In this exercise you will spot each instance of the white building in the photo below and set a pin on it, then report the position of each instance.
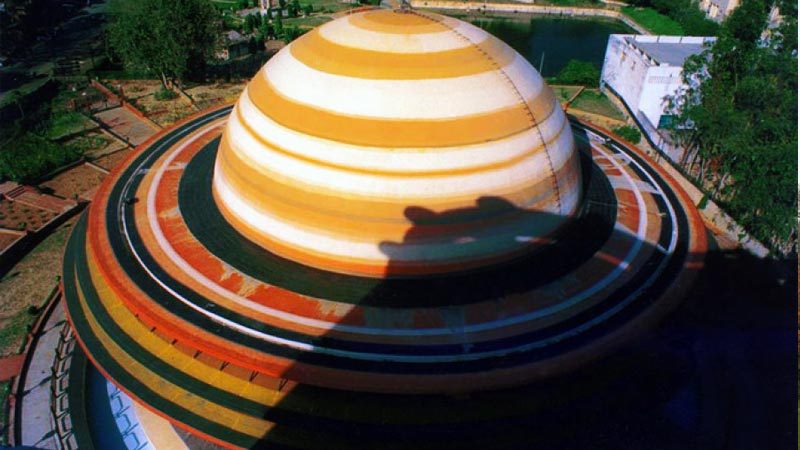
(718, 10)
(642, 71)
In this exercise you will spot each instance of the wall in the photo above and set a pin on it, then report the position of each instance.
(624, 70)
(659, 82)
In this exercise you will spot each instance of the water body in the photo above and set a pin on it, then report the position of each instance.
(560, 39)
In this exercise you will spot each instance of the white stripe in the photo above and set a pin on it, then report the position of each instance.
(435, 98)
(527, 80)
(409, 159)
(346, 183)
(555, 130)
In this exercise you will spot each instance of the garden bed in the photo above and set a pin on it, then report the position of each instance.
(134, 89)
(206, 96)
(112, 160)
(74, 182)
(7, 238)
(164, 112)
(19, 216)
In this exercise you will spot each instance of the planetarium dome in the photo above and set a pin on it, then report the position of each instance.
(392, 234)
(356, 125)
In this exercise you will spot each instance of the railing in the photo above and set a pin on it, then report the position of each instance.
(59, 387)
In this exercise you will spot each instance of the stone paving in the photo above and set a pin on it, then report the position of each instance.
(37, 427)
(125, 124)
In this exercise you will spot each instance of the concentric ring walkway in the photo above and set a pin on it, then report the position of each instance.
(244, 347)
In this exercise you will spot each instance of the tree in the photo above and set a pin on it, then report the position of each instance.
(291, 33)
(579, 72)
(308, 9)
(737, 118)
(686, 12)
(278, 25)
(17, 98)
(172, 38)
(629, 133)
(264, 32)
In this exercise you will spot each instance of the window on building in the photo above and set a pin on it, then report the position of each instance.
(666, 121)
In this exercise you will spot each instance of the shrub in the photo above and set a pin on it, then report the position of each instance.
(629, 133)
(579, 72)
(165, 94)
(27, 157)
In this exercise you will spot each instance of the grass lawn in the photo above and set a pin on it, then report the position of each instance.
(23, 90)
(65, 123)
(27, 284)
(564, 93)
(5, 387)
(594, 101)
(225, 4)
(583, 3)
(307, 22)
(328, 6)
(654, 21)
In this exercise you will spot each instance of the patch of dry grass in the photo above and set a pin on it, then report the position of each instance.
(28, 284)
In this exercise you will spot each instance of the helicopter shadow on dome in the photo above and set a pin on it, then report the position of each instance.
(668, 386)
(554, 411)
(558, 245)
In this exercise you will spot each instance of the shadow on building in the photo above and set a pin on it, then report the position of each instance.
(717, 373)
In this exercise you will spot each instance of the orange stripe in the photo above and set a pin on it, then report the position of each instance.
(313, 50)
(465, 130)
(545, 95)
(390, 22)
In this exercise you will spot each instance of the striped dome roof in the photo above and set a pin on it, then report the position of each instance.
(375, 124)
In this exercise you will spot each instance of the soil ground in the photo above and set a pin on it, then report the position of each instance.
(74, 182)
(18, 216)
(110, 160)
(135, 89)
(206, 96)
(7, 239)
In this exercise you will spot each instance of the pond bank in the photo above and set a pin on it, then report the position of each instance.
(568, 11)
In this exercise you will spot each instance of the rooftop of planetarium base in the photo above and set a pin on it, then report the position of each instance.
(180, 309)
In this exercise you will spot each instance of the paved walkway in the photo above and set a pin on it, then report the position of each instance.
(36, 421)
(124, 123)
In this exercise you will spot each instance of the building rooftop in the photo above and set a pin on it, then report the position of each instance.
(669, 50)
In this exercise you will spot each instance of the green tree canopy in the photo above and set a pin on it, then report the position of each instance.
(172, 38)
(579, 72)
(685, 12)
(737, 117)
